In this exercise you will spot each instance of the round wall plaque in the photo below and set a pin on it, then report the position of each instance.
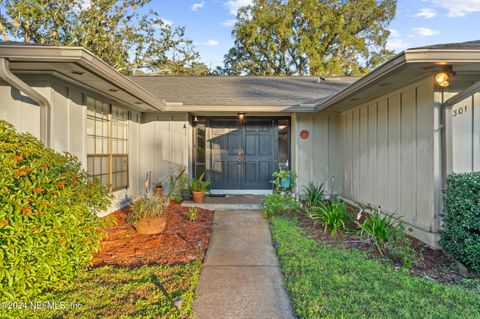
(304, 134)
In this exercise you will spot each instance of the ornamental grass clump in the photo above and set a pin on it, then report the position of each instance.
(334, 216)
(48, 226)
(149, 206)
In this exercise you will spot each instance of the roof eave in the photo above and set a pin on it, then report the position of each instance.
(84, 58)
(380, 72)
(424, 55)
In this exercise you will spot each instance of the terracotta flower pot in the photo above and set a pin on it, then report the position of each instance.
(159, 192)
(153, 225)
(197, 197)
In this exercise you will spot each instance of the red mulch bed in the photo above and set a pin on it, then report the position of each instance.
(182, 240)
(432, 264)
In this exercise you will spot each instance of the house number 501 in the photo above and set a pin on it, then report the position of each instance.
(460, 111)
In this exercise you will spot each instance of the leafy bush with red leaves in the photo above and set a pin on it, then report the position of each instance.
(48, 226)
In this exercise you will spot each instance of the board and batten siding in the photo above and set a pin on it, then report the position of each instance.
(68, 124)
(166, 143)
(318, 158)
(69, 134)
(388, 149)
(463, 154)
(19, 110)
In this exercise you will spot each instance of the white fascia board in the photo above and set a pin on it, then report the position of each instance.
(442, 56)
(377, 74)
(410, 56)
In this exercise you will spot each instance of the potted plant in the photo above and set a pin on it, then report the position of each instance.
(187, 193)
(185, 187)
(159, 188)
(199, 188)
(284, 180)
(148, 214)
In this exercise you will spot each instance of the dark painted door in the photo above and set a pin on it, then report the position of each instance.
(242, 154)
(259, 150)
(225, 138)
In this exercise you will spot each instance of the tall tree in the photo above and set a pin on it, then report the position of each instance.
(114, 30)
(310, 37)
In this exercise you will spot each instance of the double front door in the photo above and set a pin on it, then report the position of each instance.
(241, 154)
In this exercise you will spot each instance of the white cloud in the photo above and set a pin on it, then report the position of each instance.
(425, 32)
(212, 43)
(167, 22)
(234, 5)
(397, 44)
(394, 33)
(426, 13)
(229, 23)
(458, 8)
(85, 4)
(198, 5)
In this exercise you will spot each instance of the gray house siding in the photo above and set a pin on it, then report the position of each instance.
(388, 150)
(380, 153)
(68, 124)
(166, 142)
(19, 110)
(319, 157)
(463, 131)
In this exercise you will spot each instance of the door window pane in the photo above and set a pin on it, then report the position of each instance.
(283, 143)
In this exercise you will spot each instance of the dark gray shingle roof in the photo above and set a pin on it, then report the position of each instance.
(238, 91)
(468, 45)
(27, 44)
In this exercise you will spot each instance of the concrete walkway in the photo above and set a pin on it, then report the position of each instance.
(241, 277)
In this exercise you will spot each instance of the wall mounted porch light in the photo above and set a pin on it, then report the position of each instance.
(443, 77)
(241, 116)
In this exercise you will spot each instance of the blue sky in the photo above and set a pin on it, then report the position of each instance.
(418, 22)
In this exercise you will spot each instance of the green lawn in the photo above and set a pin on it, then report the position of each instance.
(326, 282)
(109, 292)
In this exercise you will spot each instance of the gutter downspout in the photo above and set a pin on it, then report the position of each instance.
(45, 114)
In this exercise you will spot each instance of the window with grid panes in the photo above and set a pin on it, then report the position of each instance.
(107, 139)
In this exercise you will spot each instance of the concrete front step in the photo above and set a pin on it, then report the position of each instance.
(219, 206)
(229, 202)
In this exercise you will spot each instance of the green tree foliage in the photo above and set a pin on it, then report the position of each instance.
(117, 31)
(316, 37)
(48, 226)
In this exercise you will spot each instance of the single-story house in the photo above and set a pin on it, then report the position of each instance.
(387, 139)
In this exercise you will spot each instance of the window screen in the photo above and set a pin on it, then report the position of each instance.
(107, 139)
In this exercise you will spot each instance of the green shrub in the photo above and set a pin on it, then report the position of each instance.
(48, 228)
(192, 214)
(146, 207)
(313, 194)
(313, 212)
(176, 183)
(389, 239)
(399, 247)
(378, 227)
(279, 205)
(335, 216)
(461, 219)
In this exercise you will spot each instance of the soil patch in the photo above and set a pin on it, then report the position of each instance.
(431, 264)
(182, 240)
